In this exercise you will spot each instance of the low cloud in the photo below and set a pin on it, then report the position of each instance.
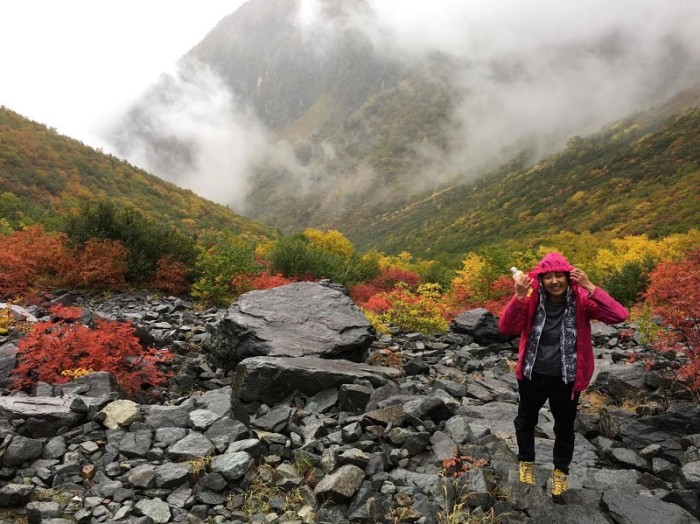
(535, 73)
(531, 75)
(189, 130)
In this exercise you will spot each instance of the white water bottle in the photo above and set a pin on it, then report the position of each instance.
(516, 275)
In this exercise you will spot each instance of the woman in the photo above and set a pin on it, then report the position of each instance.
(551, 311)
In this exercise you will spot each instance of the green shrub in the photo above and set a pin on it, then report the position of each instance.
(217, 265)
(628, 283)
(296, 257)
(146, 240)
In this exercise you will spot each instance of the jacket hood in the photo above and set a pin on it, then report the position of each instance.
(552, 262)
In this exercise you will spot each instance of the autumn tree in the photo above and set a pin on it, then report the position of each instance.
(218, 264)
(674, 294)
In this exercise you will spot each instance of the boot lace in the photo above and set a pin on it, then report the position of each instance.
(560, 483)
(526, 472)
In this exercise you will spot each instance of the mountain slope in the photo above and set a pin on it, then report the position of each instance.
(358, 130)
(44, 176)
(638, 176)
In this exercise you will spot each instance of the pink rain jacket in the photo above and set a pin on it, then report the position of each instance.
(518, 315)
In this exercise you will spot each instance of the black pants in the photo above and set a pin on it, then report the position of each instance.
(533, 394)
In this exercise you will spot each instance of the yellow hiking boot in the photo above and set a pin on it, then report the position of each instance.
(526, 472)
(560, 484)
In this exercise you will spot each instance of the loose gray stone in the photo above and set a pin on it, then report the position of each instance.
(202, 419)
(172, 475)
(20, 450)
(42, 511)
(191, 447)
(121, 413)
(15, 495)
(232, 466)
(169, 435)
(161, 416)
(690, 475)
(136, 444)
(628, 507)
(480, 324)
(156, 509)
(341, 484)
(217, 401)
(459, 430)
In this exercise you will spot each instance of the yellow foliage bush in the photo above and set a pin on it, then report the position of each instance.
(332, 241)
(405, 260)
(422, 311)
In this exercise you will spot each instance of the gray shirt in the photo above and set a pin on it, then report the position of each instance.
(548, 361)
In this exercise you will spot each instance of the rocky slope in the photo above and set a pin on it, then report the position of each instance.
(428, 440)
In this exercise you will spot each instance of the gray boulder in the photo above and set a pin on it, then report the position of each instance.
(480, 324)
(57, 413)
(20, 450)
(628, 507)
(296, 320)
(269, 379)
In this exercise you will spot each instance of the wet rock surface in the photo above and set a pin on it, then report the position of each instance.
(303, 439)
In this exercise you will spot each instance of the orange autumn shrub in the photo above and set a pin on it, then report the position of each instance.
(98, 265)
(30, 260)
(500, 292)
(62, 344)
(33, 261)
(421, 310)
(171, 275)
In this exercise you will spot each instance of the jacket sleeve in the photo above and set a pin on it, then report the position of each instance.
(603, 307)
(513, 317)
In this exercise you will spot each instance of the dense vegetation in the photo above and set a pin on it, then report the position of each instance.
(652, 276)
(45, 177)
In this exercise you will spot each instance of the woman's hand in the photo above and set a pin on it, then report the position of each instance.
(523, 285)
(579, 276)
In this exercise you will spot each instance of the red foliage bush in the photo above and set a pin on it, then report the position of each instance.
(378, 303)
(500, 293)
(674, 294)
(171, 275)
(244, 282)
(60, 345)
(386, 281)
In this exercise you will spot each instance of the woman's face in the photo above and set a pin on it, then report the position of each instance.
(555, 284)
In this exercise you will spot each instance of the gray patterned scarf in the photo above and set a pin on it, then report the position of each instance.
(568, 337)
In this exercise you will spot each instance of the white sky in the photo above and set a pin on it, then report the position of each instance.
(71, 64)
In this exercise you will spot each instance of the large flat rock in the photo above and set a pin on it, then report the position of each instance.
(270, 379)
(296, 320)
